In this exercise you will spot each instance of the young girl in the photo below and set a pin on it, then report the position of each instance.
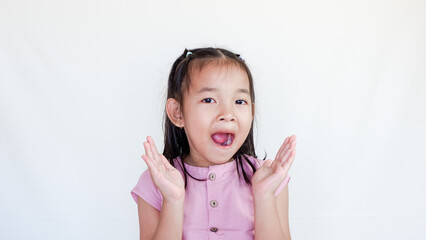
(208, 183)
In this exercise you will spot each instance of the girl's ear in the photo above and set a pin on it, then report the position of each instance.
(174, 112)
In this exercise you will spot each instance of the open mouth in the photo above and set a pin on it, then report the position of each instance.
(223, 139)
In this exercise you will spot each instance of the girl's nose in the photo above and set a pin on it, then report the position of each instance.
(226, 117)
(226, 113)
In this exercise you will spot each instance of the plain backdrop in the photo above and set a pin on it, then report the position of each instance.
(82, 83)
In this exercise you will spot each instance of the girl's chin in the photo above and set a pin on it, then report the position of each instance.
(212, 158)
(227, 151)
(222, 155)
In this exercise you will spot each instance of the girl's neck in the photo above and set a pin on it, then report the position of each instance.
(189, 160)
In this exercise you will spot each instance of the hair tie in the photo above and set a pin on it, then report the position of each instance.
(242, 59)
(188, 53)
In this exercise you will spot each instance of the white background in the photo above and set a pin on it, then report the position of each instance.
(83, 82)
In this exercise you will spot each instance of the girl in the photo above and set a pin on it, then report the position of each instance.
(208, 183)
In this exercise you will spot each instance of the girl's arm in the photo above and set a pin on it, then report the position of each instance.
(166, 224)
(271, 212)
(266, 220)
(282, 207)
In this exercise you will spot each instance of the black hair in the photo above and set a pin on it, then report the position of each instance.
(175, 140)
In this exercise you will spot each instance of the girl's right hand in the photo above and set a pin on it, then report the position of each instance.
(167, 178)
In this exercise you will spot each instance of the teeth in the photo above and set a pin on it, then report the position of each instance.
(228, 142)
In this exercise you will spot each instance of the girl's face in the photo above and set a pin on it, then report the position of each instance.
(217, 114)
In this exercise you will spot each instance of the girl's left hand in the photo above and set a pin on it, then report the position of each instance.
(269, 176)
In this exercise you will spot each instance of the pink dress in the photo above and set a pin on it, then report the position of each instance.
(219, 208)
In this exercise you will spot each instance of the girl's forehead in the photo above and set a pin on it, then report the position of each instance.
(217, 75)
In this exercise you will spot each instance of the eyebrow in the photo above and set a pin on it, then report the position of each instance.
(208, 89)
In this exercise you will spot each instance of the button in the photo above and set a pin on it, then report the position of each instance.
(213, 203)
(213, 229)
(212, 176)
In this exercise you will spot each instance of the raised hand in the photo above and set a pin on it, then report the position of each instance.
(269, 176)
(167, 178)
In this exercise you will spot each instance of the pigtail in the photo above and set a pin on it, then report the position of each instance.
(175, 140)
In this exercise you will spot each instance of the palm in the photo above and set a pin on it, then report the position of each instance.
(167, 178)
(269, 176)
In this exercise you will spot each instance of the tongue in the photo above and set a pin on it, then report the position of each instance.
(220, 138)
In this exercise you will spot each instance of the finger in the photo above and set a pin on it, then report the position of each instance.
(149, 153)
(280, 151)
(290, 161)
(157, 164)
(291, 145)
(278, 169)
(275, 164)
(280, 157)
(286, 166)
(166, 162)
(147, 148)
(282, 147)
(268, 163)
(291, 139)
(286, 155)
(151, 166)
(153, 147)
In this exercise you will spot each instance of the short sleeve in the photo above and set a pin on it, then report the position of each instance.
(146, 189)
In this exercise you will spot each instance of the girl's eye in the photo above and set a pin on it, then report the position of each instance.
(207, 100)
(241, 101)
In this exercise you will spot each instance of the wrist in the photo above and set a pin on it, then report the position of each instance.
(263, 197)
(262, 194)
(177, 202)
(176, 196)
